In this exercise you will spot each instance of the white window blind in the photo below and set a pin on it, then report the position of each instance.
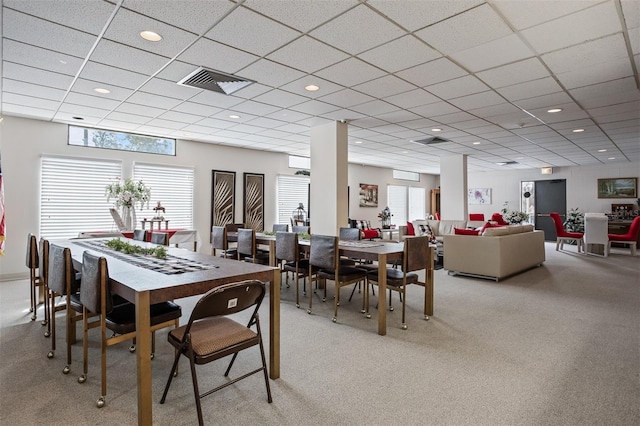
(72, 198)
(291, 191)
(173, 187)
(397, 201)
(416, 203)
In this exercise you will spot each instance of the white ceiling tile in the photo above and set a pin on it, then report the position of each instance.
(180, 117)
(32, 90)
(83, 111)
(91, 101)
(544, 101)
(216, 56)
(29, 101)
(270, 73)
(598, 73)
(35, 76)
(72, 119)
(634, 39)
(432, 72)
(127, 118)
(398, 116)
(161, 122)
(160, 87)
(631, 11)
(152, 100)
(314, 107)
(112, 75)
(226, 116)
(307, 54)
(588, 24)
(38, 32)
(412, 98)
(399, 54)
(384, 86)
(288, 115)
(280, 98)
(214, 99)
(128, 58)
(268, 123)
(357, 30)
(255, 108)
(494, 53)
(603, 50)
(143, 110)
(374, 108)
(38, 57)
(260, 35)
(477, 100)
(346, 98)
(435, 109)
(87, 87)
(350, 72)
(418, 14)
(518, 72)
(530, 89)
(466, 30)
(298, 86)
(527, 13)
(89, 17)
(118, 125)
(304, 18)
(462, 86)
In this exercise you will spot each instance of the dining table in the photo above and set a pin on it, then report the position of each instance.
(182, 274)
(380, 251)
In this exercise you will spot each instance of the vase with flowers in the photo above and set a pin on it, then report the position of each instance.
(514, 217)
(127, 193)
(385, 218)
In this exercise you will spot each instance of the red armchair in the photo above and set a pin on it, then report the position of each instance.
(631, 237)
(562, 235)
(476, 216)
(497, 217)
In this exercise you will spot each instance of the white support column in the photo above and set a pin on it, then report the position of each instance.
(329, 178)
(453, 187)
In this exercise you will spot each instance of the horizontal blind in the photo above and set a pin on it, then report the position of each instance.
(173, 187)
(72, 198)
(397, 201)
(291, 191)
(416, 203)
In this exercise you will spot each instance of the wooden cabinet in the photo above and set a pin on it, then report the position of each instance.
(435, 201)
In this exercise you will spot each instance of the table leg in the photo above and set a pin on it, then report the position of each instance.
(272, 253)
(274, 326)
(382, 294)
(143, 358)
(428, 286)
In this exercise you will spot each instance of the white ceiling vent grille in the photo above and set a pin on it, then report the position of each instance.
(431, 141)
(215, 81)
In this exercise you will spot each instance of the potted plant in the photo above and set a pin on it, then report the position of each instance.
(385, 218)
(127, 193)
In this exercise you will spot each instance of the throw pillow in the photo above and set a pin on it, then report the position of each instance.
(458, 231)
(489, 225)
(425, 230)
(410, 229)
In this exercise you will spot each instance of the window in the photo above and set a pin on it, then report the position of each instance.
(108, 139)
(406, 203)
(296, 162)
(404, 175)
(291, 191)
(171, 186)
(72, 197)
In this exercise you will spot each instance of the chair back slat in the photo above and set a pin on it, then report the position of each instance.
(322, 252)
(140, 234)
(416, 254)
(246, 242)
(349, 234)
(160, 238)
(95, 276)
(300, 229)
(60, 275)
(280, 227)
(229, 299)
(44, 259)
(287, 246)
(32, 260)
(219, 238)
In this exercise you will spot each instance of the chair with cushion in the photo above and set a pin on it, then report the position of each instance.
(220, 242)
(44, 270)
(35, 274)
(247, 248)
(300, 229)
(416, 257)
(120, 318)
(324, 255)
(140, 234)
(476, 217)
(497, 217)
(596, 226)
(280, 227)
(563, 236)
(287, 250)
(62, 281)
(161, 238)
(211, 334)
(630, 238)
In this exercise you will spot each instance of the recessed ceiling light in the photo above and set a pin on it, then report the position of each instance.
(358, 142)
(436, 130)
(554, 110)
(101, 90)
(577, 130)
(476, 143)
(62, 61)
(611, 158)
(150, 36)
(311, 88)
(602, 150)
(234, 116)
(405, 152)
(77, 118)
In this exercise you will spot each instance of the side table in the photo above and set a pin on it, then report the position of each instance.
(158, 221)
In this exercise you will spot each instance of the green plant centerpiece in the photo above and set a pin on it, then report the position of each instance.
(128, 248)
(514, 217)
(574, 221)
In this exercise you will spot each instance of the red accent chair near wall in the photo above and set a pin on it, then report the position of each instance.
(631, 237)
(476, 216)
(564, 236)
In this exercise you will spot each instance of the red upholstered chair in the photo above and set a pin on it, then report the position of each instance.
(437, 216)
(476, 216)
(631, 237)
(562, 235)
(497, 217)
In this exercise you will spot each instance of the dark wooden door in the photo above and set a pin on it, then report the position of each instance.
(550, 196)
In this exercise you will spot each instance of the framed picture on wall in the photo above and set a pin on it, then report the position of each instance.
(479, 196)
(368, 195)
(254, 201)
(618, 188)
(223, 197)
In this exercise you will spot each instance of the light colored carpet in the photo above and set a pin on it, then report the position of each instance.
(557, 345)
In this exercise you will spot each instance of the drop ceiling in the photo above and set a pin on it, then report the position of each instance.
(484, 72)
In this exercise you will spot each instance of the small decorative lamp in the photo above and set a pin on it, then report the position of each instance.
(299, 215)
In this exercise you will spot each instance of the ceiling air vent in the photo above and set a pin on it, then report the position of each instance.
(505, 163)
(215, 81)
(431, 141)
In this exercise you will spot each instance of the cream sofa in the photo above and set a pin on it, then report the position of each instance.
(441, 227)
(498, 253)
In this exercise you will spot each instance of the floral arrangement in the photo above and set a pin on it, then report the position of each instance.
(128, 192)
(514, 217)
(385, 216)
(574, 221)
(128, 248)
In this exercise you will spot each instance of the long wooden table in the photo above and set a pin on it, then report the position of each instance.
(380, 251)
(144, 287)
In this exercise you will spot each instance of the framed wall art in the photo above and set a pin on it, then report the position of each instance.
(254, 201)
(368, 195)
(618, 188)
(479, 196)
(223, 197)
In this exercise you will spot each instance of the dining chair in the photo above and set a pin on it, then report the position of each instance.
(43, 247)
(220, 242)
(212, 334)
(563, 236)
(161, 238)
(288, 251)
(278, 227)
(247, 248)
(596, 226)
(120, 318)
(35, 274)
(140, 234)
(62, 281)
(629, 238)
(415, 257)
(324, 254)
(300, 229)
